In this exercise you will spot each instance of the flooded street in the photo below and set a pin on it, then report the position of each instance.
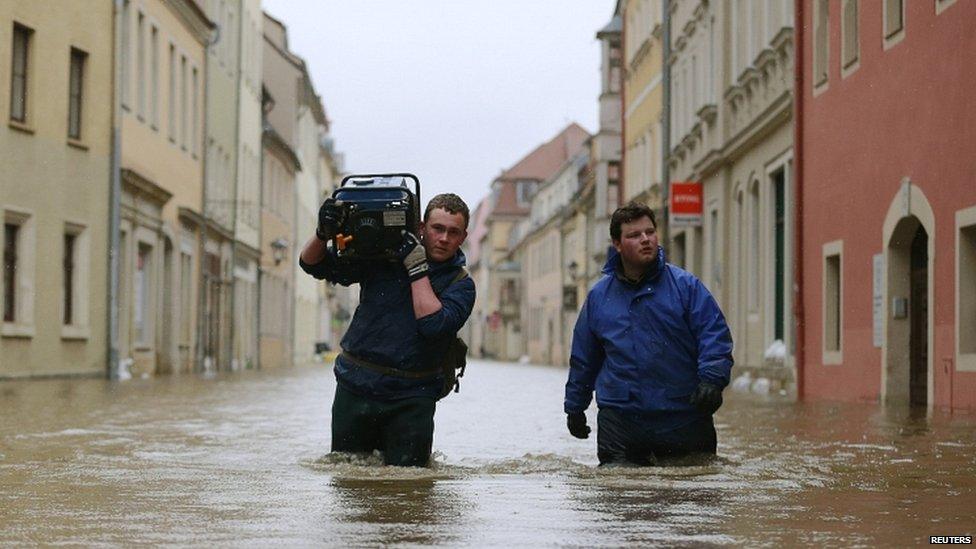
(243, 458)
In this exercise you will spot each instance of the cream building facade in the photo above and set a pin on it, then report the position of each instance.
(56, 143)
(163, 69)
(731, 130)
(247, 191)
(308, 188)
(541, 253)
(282, 77)
(221, 165)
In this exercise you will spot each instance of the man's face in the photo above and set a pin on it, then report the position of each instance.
(638, 243)
(442, 234)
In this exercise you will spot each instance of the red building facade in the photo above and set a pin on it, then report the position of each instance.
(886, 143)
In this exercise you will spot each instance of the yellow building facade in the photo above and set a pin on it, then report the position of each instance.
(55, 143)
(162, 60)
(643, 96)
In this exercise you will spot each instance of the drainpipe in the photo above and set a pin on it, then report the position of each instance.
(798, 91)
(234, 204)
(666, 112)
(115, 200)
(203, 304)
(622, 169)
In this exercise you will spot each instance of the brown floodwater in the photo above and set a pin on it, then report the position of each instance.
(243, 459)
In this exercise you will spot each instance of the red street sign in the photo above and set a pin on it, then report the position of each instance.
(686, 203)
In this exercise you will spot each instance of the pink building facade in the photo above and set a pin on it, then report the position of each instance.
(886, 158)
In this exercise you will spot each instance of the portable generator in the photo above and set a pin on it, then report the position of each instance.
(378, 208)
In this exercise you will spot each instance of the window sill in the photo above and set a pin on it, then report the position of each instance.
(966, 362)
(833, 358)
(75, 333)
(11, 329)
(77, 144)
(21, 127)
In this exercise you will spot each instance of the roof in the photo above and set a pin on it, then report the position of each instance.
(547, 158)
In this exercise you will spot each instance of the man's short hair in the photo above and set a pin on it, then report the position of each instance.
(450, 202)
(625, 214)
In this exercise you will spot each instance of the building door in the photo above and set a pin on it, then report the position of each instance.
(918, 309)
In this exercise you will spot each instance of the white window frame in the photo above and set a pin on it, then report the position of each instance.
(23, 323)
(965, 270)
(79, 328)
(889, 40)
(819, 86)
(832, 356)
(855, 62)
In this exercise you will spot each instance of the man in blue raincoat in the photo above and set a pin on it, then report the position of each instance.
(388, 374)
(654, 345)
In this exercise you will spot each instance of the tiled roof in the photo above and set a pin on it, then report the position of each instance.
(543, 162)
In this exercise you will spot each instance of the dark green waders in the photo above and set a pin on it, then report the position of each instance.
(402, 429)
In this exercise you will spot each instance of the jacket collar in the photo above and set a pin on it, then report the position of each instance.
(613, 265)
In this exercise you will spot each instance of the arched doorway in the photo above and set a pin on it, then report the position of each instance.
(918, 307)
(907, 365)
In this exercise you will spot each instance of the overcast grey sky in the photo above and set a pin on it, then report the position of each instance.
(454, 91)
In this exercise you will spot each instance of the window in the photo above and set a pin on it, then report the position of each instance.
(68, 271)
(141, 66)
(11, 234)
(894, 17)
(126, 53)
(779, 253)
(832, 302)
(75, 90)
(524, 192)
(154, 75)
(754, 257)
(849, 34)
(821, 36)
(195, 117)
(171, 100)
(966, 289)
(19, 72)
(713, 249)
(141, 293)
(186, 295)
(183, 102)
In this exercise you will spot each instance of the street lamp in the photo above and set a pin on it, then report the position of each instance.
(278, 247)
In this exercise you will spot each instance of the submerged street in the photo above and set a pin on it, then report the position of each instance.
(243, 458)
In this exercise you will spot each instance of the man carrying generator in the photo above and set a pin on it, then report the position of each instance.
(389, 373)
(653, 343)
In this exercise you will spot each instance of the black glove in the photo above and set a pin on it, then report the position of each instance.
(331, 215)
(414, 256)
(707, 398)
(576, 422)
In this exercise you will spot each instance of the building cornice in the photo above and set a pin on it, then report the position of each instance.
(136, 183)
(190, 14)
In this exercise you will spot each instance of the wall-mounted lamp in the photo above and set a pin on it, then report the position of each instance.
(573, 269)
(278, 248)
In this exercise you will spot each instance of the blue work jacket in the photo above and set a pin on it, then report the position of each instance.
(644, 347)
(384, 330)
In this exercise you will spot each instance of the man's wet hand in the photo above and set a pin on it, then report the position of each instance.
(331, 215)
(414, 256)
(576, 422)
(707, 398)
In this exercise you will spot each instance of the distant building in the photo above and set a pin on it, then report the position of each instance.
(282, 76)
(163, 70)
(56, 147)
(886, 161)
(509, 203)
(247, 192)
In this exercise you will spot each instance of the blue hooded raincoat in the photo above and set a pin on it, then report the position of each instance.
(384, 329)
(645, 347)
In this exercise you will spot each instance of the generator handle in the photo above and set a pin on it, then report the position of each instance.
(416, 181)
